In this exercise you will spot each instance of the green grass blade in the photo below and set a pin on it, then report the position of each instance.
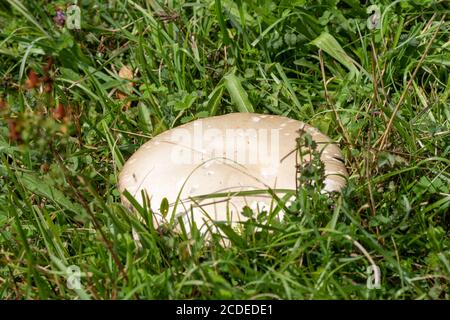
(23, 10)
(237, 93)
(330, 45)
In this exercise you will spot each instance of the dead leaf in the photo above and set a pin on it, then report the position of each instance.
(2, 104)
(46, 79)
(48, 87)
(60, 112)
(46, 68)
(32, 81)
(45, 167)
(125, 73)
(13, 132)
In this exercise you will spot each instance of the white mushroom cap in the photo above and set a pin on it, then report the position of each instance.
(224, 154)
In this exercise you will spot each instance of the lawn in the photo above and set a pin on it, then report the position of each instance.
(75, 103)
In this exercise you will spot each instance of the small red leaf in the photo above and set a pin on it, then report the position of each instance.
(60, 112)
(48, 87)
(13, 132)
(46, 68)
(2, 104)
(32, 81)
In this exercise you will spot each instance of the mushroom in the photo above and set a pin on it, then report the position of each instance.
(211, 168)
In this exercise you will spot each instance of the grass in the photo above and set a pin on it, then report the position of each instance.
(69, 121)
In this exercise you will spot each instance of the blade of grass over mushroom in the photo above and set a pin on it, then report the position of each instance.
(279, 204)
(245, 193)
(143, 210)
(330, 45)
(142, 223)
(235, 238)
(237, 93)
(214, 99)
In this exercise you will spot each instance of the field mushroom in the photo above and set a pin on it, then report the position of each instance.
(228, 156)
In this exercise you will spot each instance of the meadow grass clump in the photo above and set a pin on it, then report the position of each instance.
(75, 104)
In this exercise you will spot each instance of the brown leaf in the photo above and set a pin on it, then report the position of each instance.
(46, 79)
(60, 112)
(123, 96)
(45, 167)
(13, 132)
(46, 68)
(64, 129)
(2, 104)
(48, 87)
(32, 81)
(126, 73)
